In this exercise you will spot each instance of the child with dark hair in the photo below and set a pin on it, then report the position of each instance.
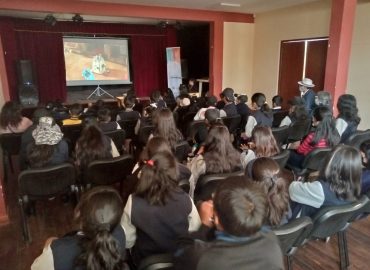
(158, 199)
(261, 114)
(277, 102)
(11, 119)
(242, 107)
(157, 100)
(211, 117)
(339, 183)
(365, 176)
(348, 119)
(235, 238)
(104, 121)
(75, 113)
(100, 241)
(324, 135)
(128, 113)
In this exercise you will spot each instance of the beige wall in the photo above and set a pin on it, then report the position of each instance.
(359, 69)
(303, 21)
(238, 57)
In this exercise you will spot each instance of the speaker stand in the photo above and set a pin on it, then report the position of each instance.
(99, 92)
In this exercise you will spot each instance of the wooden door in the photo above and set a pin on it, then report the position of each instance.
(316, 62)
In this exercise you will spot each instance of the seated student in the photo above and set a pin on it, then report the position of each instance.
(218, 156)
(266, 173)
(232, 233)
(297, 112)
(212, 117)
(93, 108)
(229, 109)
(100, 241)
(128, 113)
(323, 98)
(261, 115)
(75, 113)
(158, 212)
(11, 119)
(169, 99)
(263, 144)
(210, 104)
(339, 182)
(241, 106)
(104, 121)
(48, 148)
(365, 176)
(157, 100)
(348, 119)
(146, 119)
(324, 135)
(58, 111)
(277, 102)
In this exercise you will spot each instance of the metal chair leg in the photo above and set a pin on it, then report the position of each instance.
(342, 251)
(25, 228)
(289, 262)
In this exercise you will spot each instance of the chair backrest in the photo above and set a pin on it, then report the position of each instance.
(118, 137)
(278, 117)
(109, 171)
(333, 219)
(293, 234)
(47, 182)
(182, 150)
(193, 128)
(358, 138)
(144, 133)
(157, 262)
(232, 123)
(281, 134)
(71, 133)
(281, 158)
(11, 143)
(315, 160)
(129, 127)
(298, 130)
(184, 185)
(184, 123)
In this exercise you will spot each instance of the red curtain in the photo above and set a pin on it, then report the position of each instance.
(43, 44)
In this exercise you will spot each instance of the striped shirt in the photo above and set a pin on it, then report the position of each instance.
(305, 147)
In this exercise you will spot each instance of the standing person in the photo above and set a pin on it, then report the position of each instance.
(158, 212)
(308, 95)
(100, 241)
(348, 119)
(11, 119)
(229, 108)
(324, 135)
(232, 234)
(339, 183)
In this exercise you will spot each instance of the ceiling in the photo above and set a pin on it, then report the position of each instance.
(246, 6)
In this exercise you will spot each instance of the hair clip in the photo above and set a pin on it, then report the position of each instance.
(150, 162)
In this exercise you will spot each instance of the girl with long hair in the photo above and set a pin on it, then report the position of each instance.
(165, 127)
(365, 176)
(263, 144)
(324, 135)
(11, 119)
(93, 145)
(339, 183)
(219, 156)
(158, 212)
(266, 173)
(100, 241)
(348, 119)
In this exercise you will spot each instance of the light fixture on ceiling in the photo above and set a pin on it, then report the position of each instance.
(77, 19)
(225, 4)
(50, 20)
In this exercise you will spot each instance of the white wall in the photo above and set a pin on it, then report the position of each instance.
(302, 21)
(359, 69)
(238, 57)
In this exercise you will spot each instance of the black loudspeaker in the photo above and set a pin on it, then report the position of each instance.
(184, 68)
(28, 95)
(25, 73)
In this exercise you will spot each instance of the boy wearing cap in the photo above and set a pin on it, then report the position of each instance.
(308, 95)
(230, 108)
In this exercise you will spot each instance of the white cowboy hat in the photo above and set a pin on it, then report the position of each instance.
(306, 82)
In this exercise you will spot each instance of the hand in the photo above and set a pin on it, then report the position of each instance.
(206, 213)
(244, 147)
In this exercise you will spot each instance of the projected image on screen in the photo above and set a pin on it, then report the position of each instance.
(96, 61)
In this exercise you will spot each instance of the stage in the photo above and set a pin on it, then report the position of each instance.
(81, 94)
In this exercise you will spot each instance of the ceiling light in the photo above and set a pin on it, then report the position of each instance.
(230, 4)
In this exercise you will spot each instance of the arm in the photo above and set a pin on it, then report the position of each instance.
(305, 146)
(251, 123)
(246, 157)
(285, 122)
(194, 219)
(310, 193)
(45, 261)
(130, 229)
(340, 125)
(197, 168)
(114, 150)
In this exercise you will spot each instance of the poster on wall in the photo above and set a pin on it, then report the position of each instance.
(174, 78)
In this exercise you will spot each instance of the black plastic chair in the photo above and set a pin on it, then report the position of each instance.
(71, 134)
(292, 235)
(278, 117)
(157, 262)
(129, 127)
(182, 150)
(314, 161)
(193, 128)
(208, 183)
(358, 138)
(10, 145)
(281, 134)
(335, 220)
(232, 123)
(118, 136)
(281, 158)
(298, 130)
(44, 184)
(109, 171)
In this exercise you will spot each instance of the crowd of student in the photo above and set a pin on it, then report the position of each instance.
(230, 230)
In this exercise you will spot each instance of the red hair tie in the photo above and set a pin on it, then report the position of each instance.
(150, 162)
